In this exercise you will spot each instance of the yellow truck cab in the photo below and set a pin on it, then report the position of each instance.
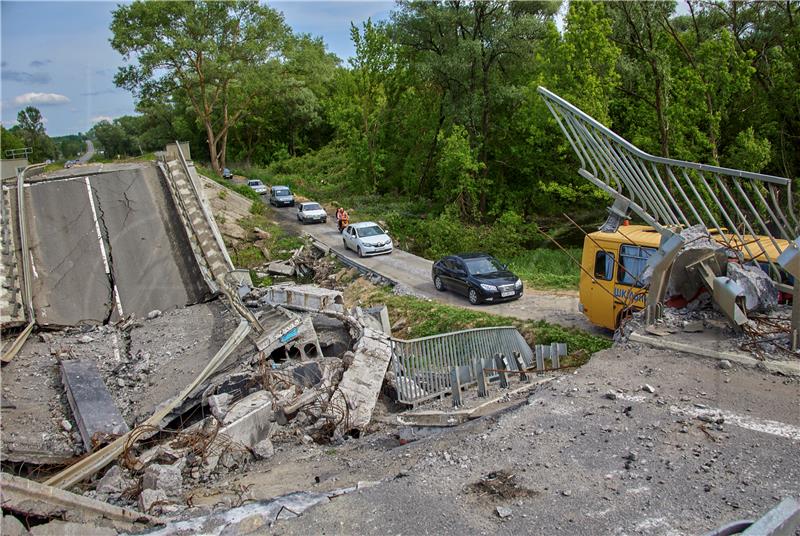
(616, 262)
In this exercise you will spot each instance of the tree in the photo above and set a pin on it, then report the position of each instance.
(31, 129)
(212, 52)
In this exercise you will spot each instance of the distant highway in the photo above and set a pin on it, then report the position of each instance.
(85, 157)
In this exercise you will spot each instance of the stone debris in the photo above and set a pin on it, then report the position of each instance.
(150, 498)
(11, 526)
(610, 395)
(503, 512)
(167, 478)
(648, 388)
(155, 313)
(760, 293)
(725, 364)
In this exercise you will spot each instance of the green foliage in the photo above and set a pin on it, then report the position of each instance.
(424, 318)
(10, 140)
(547, 268)
(247, 257)
(30, 128)
(260, 281)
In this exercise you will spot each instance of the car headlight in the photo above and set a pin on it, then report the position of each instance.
(518, 284)
(490, 288)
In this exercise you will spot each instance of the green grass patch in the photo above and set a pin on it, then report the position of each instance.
(548, 268)
(423, 318)
(247, 257)
(260, 281)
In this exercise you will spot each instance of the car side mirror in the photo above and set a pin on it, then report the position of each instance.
(505, 266)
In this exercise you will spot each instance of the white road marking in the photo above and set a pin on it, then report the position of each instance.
(765, 426)
(115, 291)
(33, 267)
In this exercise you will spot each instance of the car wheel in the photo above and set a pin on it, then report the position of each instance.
(438, 283)
(360, 253)
(473, 296)
(344, 242)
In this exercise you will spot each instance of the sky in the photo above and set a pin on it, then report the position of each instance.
(56, 56)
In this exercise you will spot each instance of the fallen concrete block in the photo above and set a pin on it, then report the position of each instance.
(264, 449)
(91, 403)
(218, 404)
(66, 528)
(113, 482)
(247, 423)
(163, 477)
(304, 298)
(150, 498)
(34, 499)
(280, 268)
(760, 293)
(11, 526)
(361, 382)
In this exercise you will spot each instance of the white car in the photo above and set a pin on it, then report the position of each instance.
(366, 238)
(311, 213)
(257, 186)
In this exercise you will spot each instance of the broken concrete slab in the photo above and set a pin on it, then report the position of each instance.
(281, 268)
(248, 423)
(66, 528)
(760, 293)
(361, 382)
(32, 498)
(303, 297)
(11, 526)
(95, 412)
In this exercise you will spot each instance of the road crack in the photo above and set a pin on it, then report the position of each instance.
(109, 255)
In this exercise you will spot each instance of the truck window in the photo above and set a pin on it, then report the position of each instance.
(604, 265)
(632, 260)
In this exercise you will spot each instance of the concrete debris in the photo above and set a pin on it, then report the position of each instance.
(66, 425)
(218, 404)
(92, 405)
(760, 293)
(167, 478)
(150, 498)
(264, 449)
(724, 364)
(11, 526)
(503, 512)
(281, 268)
(299, 297)
(65, 528)
(648, 388)
(113, 483)
(611, 395)
(85, 339)
(362, 381)
(155, 313)
(34, 499)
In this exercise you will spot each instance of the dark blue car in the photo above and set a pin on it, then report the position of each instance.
(478, 276)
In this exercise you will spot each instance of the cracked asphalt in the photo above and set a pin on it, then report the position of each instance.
(106, 244)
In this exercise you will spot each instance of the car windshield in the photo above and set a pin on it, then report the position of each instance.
(372, 230)
(311, 206)
(254, 183)
(283, 191)
(483, 265)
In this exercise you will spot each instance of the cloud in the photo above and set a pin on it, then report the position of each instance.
(26, 78)
(40, 63)
(40, 98)
(98, 118)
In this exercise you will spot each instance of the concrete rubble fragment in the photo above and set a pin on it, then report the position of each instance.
(149, 498)
(362, 380)
(167, 478)
(760, 293)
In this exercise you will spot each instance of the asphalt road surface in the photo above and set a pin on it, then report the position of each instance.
(107, 244)
(85, 157)
(559, 307)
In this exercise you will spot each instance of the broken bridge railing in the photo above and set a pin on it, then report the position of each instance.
(423, 366)
(751, 212)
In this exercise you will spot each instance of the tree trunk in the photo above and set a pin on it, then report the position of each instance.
(212, 148)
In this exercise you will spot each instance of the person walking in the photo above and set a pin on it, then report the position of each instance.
(339, 212)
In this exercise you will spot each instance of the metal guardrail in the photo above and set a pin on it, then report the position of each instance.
(423, 366)
(738, 205)
(27, 273)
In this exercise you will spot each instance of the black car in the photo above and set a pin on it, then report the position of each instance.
(478, 276)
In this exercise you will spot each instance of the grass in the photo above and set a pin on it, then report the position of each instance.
(416, 318)
(548, 268)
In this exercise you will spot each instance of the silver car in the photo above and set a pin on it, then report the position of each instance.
(257, 186)
(366, 238)
(311, 213)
